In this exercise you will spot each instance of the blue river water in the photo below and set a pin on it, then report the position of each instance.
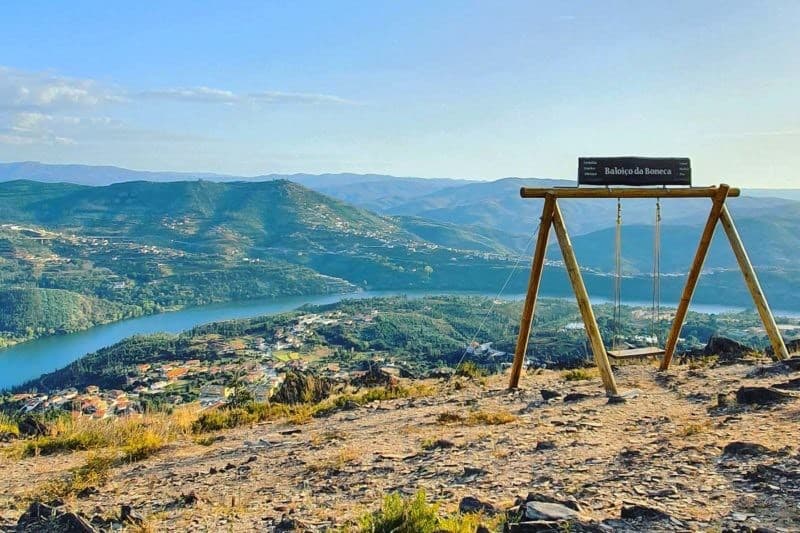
(31, 359)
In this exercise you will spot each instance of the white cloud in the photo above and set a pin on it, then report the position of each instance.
(44, 91)
(26, 128)
(32, 127)
(196, 94)
(43, 108)
(211, 95)
(296, 98)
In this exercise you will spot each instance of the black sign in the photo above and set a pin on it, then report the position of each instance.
(637, 171)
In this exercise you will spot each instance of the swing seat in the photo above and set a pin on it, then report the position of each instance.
(633, 353)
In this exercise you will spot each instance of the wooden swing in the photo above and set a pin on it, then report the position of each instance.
(629, 171)
(655, 312)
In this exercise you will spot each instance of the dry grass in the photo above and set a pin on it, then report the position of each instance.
(335, 463)
(138, 436)
(415, 514)
(482, 417)
(449, 417)
(324, 437)
(490, 418)
(144, 446)
(579, 374)
(8, 426)
(694, 429)
(705, 361)
(205, 440)
(470, 369)
(217, 419)
(121, 440)
(92, 474)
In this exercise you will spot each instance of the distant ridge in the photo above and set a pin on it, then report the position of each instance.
(107, 174)
(98, 175)
(93, 175)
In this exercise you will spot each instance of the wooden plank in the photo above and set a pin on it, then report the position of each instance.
(537, 266)
(750, 278)
(636, 352)
(589, 321)
(626, 192)
(694, 275)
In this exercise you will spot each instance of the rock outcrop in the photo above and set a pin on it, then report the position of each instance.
(728, 350)
(302, 387)
(41, 518)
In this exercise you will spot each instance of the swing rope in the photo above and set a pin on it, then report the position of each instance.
(656, 309)
(617, 276)
(496, 299)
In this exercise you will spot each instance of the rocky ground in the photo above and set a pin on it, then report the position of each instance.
(681, 453)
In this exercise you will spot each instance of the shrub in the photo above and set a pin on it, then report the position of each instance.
(477, 418)
(84, 440)
(93, 473)
(8, 426)
(81, 433)
(414, 515)
(231, 417)
(143, 446)
(490, 418)
(449, 417)
(433, 444)
(693, 429)
(398, 515)
(578, 374)
(207, 440)
(217, 419)
(470, 369)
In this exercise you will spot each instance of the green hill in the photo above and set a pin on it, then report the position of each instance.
(771, 243)
(31, 311)
(159, 246)
(485, 239)
(208, 215)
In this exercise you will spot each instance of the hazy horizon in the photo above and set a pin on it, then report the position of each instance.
(208, 174)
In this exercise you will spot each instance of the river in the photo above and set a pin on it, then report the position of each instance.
(31, 359)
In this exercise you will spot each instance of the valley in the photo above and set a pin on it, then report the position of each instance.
(75, 256)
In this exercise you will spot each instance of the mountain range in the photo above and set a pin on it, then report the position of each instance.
(490, 215)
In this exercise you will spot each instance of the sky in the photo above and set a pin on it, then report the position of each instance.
(478, 90)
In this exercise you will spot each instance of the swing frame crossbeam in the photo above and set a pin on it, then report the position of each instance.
(553, 218)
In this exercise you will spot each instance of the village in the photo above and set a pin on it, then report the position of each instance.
(252, 363)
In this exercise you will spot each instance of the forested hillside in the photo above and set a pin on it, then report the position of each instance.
(27, 312)
(159, 246)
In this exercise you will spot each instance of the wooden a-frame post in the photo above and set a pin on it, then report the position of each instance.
(778, 346)
(533, 288)
(694, 275)
(589, 321)
(719, 212)
(551, 216)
